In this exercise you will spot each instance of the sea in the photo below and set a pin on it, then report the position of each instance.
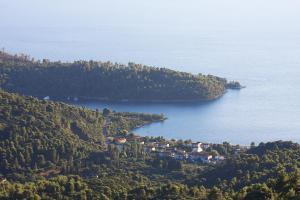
(252, 41)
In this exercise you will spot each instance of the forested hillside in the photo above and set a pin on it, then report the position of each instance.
(53, 150)
(37, 135)
(106, 80)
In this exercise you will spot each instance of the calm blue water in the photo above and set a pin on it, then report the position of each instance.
(253, 41)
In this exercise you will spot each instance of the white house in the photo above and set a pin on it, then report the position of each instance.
(196, 147)
(200, 156)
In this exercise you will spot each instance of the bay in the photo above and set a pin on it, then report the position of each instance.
(255, 42)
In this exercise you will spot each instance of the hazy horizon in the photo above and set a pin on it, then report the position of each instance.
(255, 42)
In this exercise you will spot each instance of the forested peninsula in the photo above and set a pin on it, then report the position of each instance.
(106, 81)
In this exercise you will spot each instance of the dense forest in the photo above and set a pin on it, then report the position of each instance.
(106, 81)
(52, 150)
(38, 134)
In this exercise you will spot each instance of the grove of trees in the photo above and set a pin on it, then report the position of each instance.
(105, 80)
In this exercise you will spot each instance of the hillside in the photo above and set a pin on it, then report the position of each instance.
(52, 150)
(262, 173)
(37, 135)
(106, 81)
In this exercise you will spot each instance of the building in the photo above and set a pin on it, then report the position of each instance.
(219, 158)
(149, 148)
(181, 155)
(200, 157)
(154, 144)
(163, 145)
(205, 145)
(120, 140)
(196, 147)
(136, 138)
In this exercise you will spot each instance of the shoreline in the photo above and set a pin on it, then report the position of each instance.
(105, 99)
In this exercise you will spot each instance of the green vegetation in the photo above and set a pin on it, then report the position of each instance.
(139, 180)
(43, 136)
(106, 81)
(56, 151)
(234, 85)
(61, 187)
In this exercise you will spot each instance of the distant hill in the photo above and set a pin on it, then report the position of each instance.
(106, 80)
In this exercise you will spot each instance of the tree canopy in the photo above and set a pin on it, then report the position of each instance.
(51, 150)
(105, 80)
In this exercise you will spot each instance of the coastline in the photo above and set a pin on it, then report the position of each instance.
(106, 99)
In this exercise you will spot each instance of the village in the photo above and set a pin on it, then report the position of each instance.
(189, 151)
